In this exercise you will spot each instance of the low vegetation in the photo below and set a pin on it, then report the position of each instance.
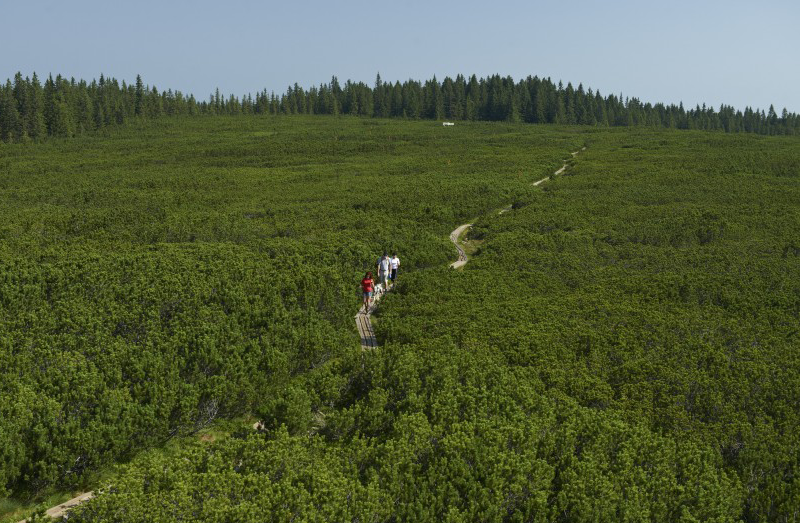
(622, 344)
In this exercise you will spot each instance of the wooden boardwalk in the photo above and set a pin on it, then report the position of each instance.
(364, 324)
(61, 510)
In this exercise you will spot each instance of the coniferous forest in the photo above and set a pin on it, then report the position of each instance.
(30, 110)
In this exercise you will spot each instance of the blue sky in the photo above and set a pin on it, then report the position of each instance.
(733, 52)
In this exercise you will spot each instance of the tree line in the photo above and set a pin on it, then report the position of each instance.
(61, 107)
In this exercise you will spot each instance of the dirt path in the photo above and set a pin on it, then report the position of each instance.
(456, 234)
(363, 322)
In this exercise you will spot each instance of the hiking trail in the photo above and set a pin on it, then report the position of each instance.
(364, 324)
(458, 231)
(454, 236)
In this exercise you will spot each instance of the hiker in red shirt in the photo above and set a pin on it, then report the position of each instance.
(367, 286)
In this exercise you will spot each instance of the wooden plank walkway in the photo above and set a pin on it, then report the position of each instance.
(364, 324)
(60, 510)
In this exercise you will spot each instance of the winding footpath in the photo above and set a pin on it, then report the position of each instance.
(458, 231)
(363, 321)
(363, 324)
(455, 235)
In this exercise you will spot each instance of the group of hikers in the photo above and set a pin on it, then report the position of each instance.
(387, 272)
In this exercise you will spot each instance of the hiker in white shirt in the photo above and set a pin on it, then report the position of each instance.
(384, 269)
(395, 265)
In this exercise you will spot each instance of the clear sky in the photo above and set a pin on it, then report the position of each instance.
(734, 52)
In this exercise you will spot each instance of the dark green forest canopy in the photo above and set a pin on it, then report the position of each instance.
(61, 107)
(622, 345)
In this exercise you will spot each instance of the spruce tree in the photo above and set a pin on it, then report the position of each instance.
(337, 94)
(459, 97)
(63, 123)
(366, 101)
(83, 111)
(600, 114)
(433, 105)
(49, 94)
(570, 116)
(37, 129)
(560, 116)
(472, 104)
(156, 108)
(397, 100)
(299, 99)
(470, 112)
(381, 106)
(20, 92)
(772, 119)
(448, 98)
(9, 116)
(139, 101)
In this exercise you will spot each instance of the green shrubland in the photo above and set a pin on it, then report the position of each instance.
(181, 271)
(621, 346)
